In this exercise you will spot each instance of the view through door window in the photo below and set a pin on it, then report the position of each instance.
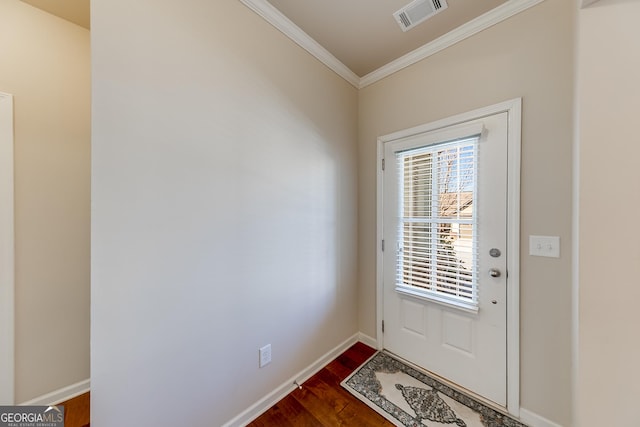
(437, 245)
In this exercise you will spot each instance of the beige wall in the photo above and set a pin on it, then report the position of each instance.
(608, 383)
(224, 211)
(528, 56)
(44, 63)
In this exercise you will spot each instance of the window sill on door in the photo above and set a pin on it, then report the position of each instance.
(425, 295)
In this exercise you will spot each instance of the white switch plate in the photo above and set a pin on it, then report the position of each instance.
(548, 246)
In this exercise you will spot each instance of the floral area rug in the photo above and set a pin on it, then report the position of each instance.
(410, 398)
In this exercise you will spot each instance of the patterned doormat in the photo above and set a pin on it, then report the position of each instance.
(410, 398)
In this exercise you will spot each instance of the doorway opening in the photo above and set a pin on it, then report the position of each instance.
(447, 268)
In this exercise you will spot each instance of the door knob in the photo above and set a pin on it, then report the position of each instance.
(494, 272)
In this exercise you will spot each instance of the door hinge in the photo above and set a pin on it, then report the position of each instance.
(383, 326)
(382, 245)
(382, 164)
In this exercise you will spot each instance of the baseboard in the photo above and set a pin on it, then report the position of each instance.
(534, 420)
(287, 387)
(60, 395)
(366, 339)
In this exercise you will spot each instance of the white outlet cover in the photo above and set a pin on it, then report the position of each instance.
(545, 246)
(265, 355)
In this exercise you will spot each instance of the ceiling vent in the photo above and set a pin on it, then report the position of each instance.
(418, 11)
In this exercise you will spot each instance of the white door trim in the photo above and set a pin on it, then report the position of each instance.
(7, 266)
(514, 109)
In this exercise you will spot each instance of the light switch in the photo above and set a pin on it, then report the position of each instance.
(548, 246)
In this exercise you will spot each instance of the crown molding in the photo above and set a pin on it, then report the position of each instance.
(482, 22)
(273, 16)
(585, 3)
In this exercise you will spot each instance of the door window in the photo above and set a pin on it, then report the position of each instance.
(437, 248)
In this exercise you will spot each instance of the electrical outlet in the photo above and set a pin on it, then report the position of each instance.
(547, 246)
(265, 355)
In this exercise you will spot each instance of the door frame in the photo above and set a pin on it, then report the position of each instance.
(513, 108)
(7, 253)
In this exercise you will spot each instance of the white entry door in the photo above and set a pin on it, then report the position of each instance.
(444, 226)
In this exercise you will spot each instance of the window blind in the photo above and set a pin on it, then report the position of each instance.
(437, 248)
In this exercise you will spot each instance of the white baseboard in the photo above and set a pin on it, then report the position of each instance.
(366, 339)
(534, 420)
(287, 387)
(60, 395)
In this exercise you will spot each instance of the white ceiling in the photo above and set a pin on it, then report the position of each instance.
(364, 35)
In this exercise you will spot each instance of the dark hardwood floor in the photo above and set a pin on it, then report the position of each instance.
(321, 402)
(76, 411)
